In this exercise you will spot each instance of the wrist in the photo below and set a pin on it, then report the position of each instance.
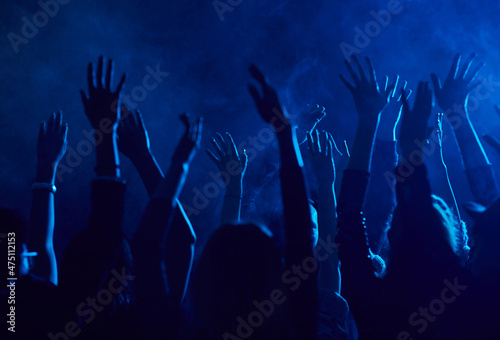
(234, 187)
(46, 172)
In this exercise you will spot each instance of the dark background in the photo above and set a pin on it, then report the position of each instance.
(296, 43)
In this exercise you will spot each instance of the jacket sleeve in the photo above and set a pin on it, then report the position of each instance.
(359, 282)
(381, 198)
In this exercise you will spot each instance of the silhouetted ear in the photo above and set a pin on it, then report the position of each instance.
(475, 210)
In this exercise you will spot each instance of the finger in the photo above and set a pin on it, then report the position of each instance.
(473, 73)
(406, 107)
(346, 83)
(212, 156)
(454, 67)
(371, 70)
(110, 74)
(84, 98)
(185, 119)
(217, 148)
(222, 143)
(257, 75)
(335, 144)
(64, 130)
(388, 93)
(90, 77)
(324, 143)
(353, 74)
(58, 121)
(436, 83)
(245, 159)
(232, 146)
(317, 144)
(330, 143)
(396, 84)
(467, 65)
(52, 122)
(121, 84)
(100, 66)
(399, 92)
(347, 149)
(410, 91)
(41, 130)
(362, 76)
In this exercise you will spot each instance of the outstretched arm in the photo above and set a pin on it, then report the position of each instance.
(359, 280)
(381, 196)
(158, 311)
(321, 146)
(51, 147)
(452, 97)
(133, 142)
(298, 231)
(92, 253)
(232, 167)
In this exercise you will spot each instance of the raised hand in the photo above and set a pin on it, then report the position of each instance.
(414, 121)
(268, 104)
(391, 115)
(227, 158)
(321, 147)
(368, 98)
(190, 141)
(52, 140)
(458, 84)
(103, 105)
(133, 140)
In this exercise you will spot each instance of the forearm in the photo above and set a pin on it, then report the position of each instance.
(381, 198)
(328, 275)
(231, 206)
(362, 146)
(179, 253)
(42, 225)
(472, 151)
(298, 236)
(358, 274)
(289, 148)
(107, 159)
(149, 171)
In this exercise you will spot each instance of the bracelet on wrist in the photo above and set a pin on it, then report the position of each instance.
(44, 186)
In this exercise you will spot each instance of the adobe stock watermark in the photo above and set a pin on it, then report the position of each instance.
(457, 117)
(219, 180)
(94, 137)
(40, 19)
(372, 29)
(293, 279)
(434, 309)
(223, 6)
(88, 309)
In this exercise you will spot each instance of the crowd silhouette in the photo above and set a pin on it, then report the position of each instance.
(311, 273)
